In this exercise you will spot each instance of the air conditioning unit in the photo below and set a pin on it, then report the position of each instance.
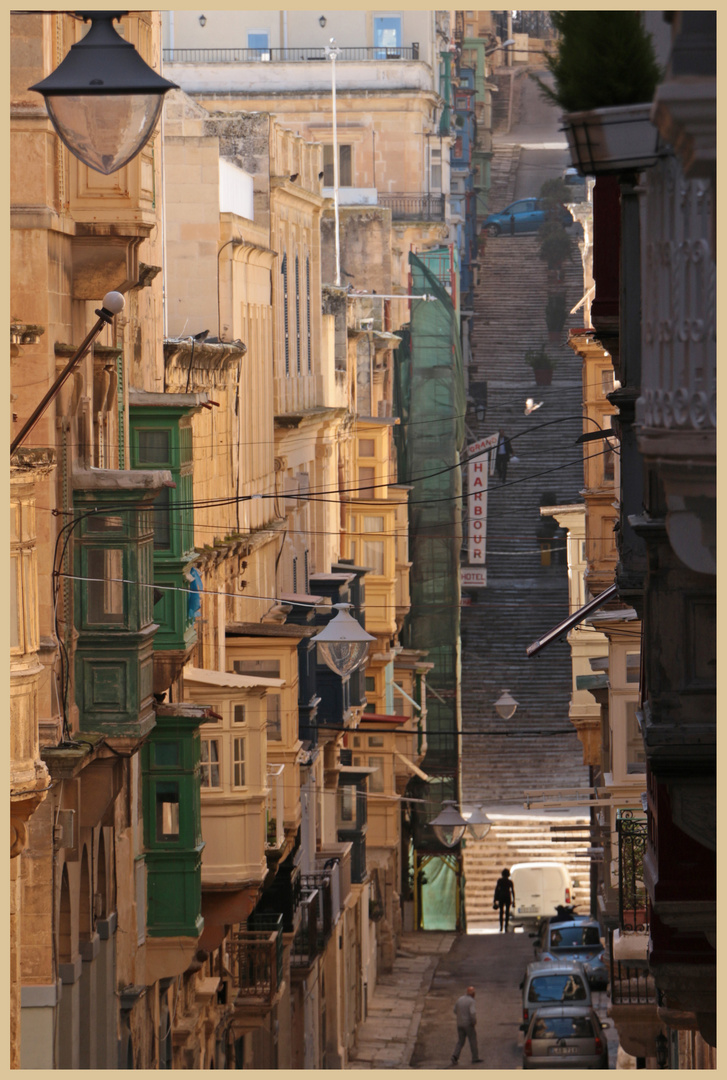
(365, 324)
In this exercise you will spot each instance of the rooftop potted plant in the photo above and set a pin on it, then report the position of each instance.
(605, 73)
(542, 365)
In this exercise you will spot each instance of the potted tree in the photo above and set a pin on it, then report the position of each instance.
(605, 74)
(542, 365)
(555, 315)
(555, 245)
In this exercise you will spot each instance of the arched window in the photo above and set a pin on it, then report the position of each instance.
(297, 312)
(286, 333)
(307, 308)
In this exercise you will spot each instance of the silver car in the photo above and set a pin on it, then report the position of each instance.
(553, 983)
(565, 1037)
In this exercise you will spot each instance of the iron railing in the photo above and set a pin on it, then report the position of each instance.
(304, 949)
(287, 56)
(413, 207)
(631, 984)
(633, 899)
(324, 894)
(256, 957)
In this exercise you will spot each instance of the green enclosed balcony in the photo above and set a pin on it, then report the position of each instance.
(170, 762)
(113, 601)
(161, 438)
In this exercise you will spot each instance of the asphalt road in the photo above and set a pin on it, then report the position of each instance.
(494, 964)
(543, 154)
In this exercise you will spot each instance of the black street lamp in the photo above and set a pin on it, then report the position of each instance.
(103, 99)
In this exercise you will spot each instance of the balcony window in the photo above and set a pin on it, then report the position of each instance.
(239, 714)
(366, 479)
(267, 669)
(345, 165)
(376, 779)
(273, 725)
(105, 568)
(348, 804)
(154, 447)
(167, 812)
(387, 34)
(635, 753)
(210, 767)
(238, 763)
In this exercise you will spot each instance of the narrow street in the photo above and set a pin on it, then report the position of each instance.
(410, 1021)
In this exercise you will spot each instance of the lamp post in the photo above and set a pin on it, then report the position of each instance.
(332, 52)
(478, 823)
(343, 643)
(103, 99)
(112, 305)
(506, 705)
(449, 825)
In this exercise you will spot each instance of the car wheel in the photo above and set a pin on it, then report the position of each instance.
(492, 230)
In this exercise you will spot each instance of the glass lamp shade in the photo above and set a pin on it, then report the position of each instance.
(506, 705)
(449, 825)
(343, 644)
(103, 99)
(478, 823)
(107, 130)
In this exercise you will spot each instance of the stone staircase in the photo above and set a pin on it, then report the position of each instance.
(514, 839)
(524, 598)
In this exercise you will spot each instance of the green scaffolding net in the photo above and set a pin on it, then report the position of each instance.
(430, 399)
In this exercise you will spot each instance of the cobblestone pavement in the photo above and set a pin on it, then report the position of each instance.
(387, 1037)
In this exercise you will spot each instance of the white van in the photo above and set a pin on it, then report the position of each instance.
(539, 888)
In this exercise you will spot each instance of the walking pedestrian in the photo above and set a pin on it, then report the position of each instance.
(502, 455)
(466, 1015)
(504, 896)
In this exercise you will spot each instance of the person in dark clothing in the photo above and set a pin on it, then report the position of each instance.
(502, 455)
(504, 896)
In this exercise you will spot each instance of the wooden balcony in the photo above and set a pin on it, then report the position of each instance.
(256, 957)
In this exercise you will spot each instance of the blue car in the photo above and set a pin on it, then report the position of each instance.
(524, 216)
(580, 941)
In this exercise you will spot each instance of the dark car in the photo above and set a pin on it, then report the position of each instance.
(579, 941)
(525, 216)
(565, 1037)
(576, 184)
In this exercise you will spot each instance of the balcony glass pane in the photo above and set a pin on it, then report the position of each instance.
(238, 756)
(106, 592)
(273, 730)
(210, 767)
(162, 531)
(154, 446)
(167, 811)
(14, 609)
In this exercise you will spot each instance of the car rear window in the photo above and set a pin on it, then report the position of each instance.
(557, 988)
(562, 1027)
(575, 936)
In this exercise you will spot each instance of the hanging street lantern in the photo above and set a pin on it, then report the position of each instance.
(343, 643)
(449, 825)
(506, 705)
(478, 823)
(103, 99)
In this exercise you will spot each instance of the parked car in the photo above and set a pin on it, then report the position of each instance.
(576, 183)
(565, 1037)
(524, 216)
(549, 983)
(540, 887)
(577, 941)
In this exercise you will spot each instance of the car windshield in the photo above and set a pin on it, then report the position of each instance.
(562, 1027)
(573, 937)
(557, 988)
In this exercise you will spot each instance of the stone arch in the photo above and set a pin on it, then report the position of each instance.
(65, 922)
(85, 908)
(101, 909)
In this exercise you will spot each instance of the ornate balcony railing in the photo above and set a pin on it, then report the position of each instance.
(633, 899)
(413, 207)
(679, 355)
(631, 984)
(256, 957)
(305, 945)
(287, 56)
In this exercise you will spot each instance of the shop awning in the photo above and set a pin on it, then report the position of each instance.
(572, 620)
